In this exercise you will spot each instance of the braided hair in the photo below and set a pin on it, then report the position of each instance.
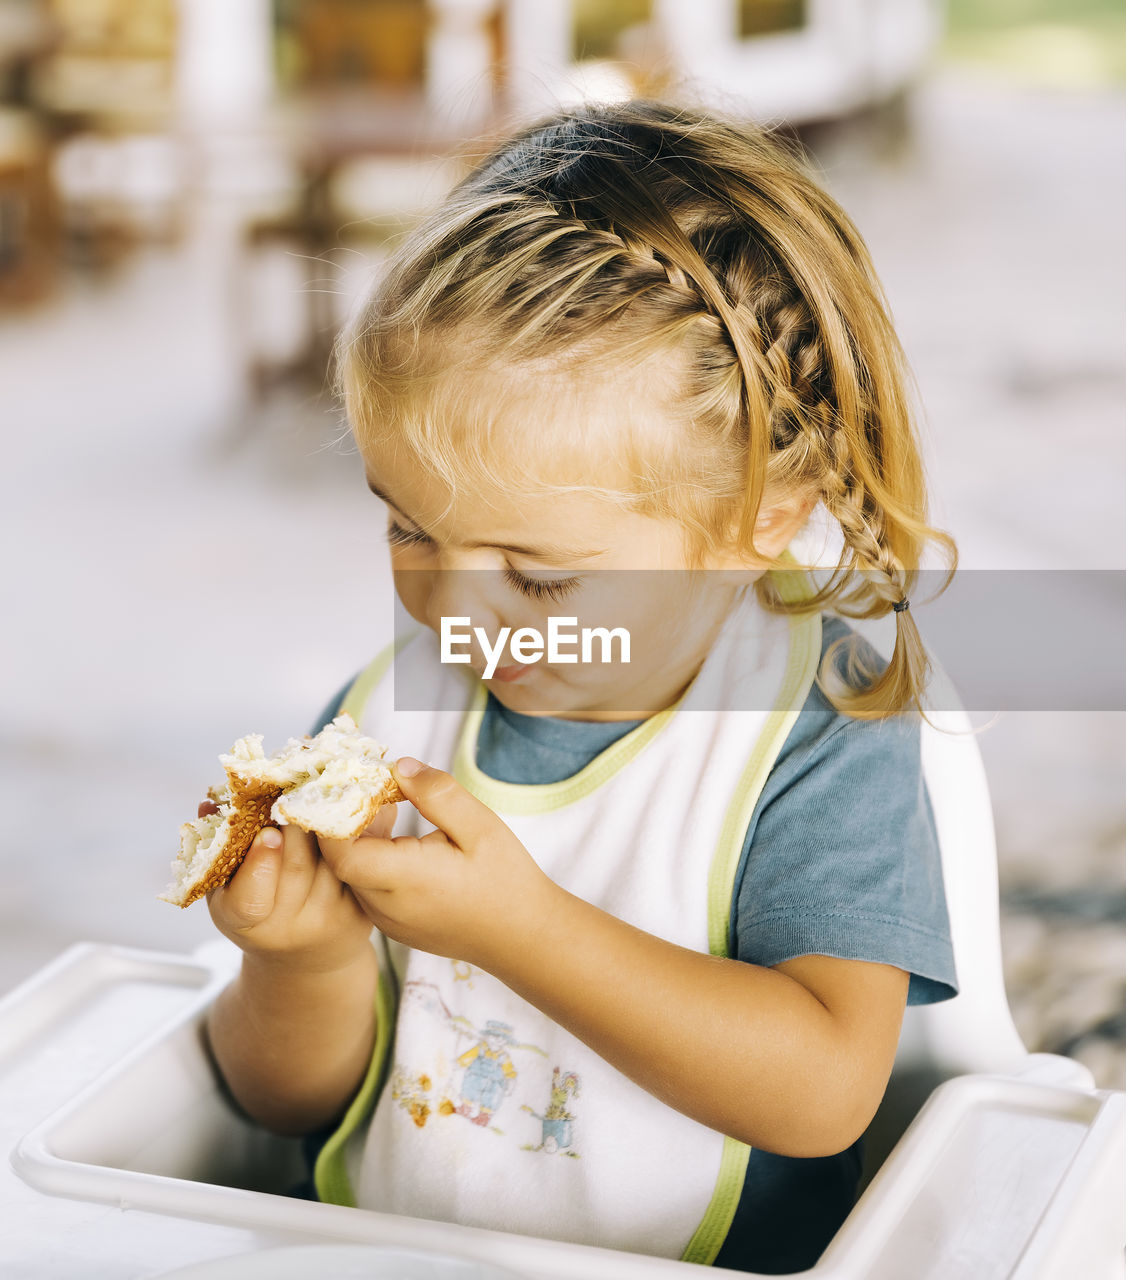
(608, 236)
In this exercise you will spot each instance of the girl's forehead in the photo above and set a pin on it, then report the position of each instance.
(552, 454)
(542, 508)
(530, 431)
(557, 514)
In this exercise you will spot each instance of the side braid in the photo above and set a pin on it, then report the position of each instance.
(854, 461)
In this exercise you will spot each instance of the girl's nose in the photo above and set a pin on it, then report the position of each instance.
(467, 593)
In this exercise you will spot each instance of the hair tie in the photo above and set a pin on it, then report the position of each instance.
(900, 605)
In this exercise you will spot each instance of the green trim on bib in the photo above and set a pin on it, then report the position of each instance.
(526, 798)
(801, 668)
(330, 1173)
(716, 1222)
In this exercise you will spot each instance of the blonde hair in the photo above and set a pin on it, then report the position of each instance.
(639, 229)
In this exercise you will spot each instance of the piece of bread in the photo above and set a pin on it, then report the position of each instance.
(332, 785)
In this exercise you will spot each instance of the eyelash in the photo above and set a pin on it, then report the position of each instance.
(538, 589)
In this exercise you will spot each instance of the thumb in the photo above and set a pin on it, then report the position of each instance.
(442, 800)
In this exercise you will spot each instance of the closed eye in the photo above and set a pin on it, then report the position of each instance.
(541, 588)
(397, 536)
(536, 588)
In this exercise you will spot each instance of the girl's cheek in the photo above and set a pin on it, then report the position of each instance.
(413, 589)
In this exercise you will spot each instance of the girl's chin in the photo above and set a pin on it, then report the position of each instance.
(539, 692)
(559, 700)
(534, 693)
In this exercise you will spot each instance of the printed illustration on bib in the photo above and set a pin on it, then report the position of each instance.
(490, 1075)
(557, 1122)
(473, 1069)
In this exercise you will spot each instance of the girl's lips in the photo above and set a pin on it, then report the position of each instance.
(507, 674)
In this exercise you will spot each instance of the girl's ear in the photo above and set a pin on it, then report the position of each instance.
(780, 518)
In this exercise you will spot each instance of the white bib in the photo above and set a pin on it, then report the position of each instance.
(486, 1112)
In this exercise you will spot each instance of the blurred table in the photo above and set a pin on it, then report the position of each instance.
(366, 164)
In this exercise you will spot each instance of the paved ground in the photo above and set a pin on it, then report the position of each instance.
(175, 575)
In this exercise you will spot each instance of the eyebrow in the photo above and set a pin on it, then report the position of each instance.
(547, 552)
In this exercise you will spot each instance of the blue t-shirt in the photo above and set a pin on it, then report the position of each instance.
(841, 858)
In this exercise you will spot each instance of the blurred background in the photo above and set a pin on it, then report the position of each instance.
(194, 192)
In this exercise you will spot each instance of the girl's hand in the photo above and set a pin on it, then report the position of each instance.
(285, 906)
(462, 891)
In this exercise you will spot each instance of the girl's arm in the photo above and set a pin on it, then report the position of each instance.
(793, 1059)
(292, 1035)
(293, 1046)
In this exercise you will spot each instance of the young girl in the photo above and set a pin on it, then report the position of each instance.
(645, 931)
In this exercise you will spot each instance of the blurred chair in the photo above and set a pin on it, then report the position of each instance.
(28, 222)
(103, 88)
(370, 151)
(350, 208)
(116, 192)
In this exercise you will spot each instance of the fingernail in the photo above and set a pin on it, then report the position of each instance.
(408, 766)
(271, 837)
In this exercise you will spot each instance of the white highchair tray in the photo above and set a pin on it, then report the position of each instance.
(992, 1181)
(338, 1262)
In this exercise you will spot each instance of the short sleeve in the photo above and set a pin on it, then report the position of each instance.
(842, 857)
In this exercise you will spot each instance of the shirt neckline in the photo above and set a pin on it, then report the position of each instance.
(549, 731)
(542, 797)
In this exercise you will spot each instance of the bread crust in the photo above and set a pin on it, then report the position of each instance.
(250, 813)
(248, 803)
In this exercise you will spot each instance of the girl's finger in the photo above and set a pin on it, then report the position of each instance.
(383, 823)
(443, 801)
(369, 863)
(249, 896)
(327, 891)
(298, 866)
